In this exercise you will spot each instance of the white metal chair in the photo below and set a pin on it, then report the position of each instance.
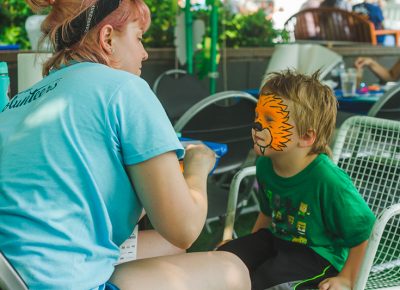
(9, 278)
(305, 58)
(388, 106)
(368, 149)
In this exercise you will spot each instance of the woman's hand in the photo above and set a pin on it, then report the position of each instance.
(335, 283)
(198, 159)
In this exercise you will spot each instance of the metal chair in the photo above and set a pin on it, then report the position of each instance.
(9, 278)
(368, 149)
(225, 117)
(178, 91)
(334, 25)
(388, 106)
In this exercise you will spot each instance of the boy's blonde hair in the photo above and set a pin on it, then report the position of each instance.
(314, 104)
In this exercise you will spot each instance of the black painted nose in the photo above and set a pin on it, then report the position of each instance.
(257, 126)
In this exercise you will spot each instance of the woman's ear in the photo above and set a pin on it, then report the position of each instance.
(308, 139)
(106, 35)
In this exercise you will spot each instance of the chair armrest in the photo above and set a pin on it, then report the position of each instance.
(232, 200)
(395, 33)
(373, 243)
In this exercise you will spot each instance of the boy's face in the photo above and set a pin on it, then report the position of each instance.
(273, 128)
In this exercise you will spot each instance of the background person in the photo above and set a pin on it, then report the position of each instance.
(313, 226)
(384, 74)
(83, 151)
(341, 4)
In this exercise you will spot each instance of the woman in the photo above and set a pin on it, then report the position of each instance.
(386, 75)
(83, 151)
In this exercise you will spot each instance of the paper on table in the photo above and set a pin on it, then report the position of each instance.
(128, 249)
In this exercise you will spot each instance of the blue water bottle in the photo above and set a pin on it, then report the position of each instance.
(4, 85)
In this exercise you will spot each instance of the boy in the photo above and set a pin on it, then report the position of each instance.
(313, 226)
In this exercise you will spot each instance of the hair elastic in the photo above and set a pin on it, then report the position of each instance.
(85, 21)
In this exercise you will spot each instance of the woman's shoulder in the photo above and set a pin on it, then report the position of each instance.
(103, 76)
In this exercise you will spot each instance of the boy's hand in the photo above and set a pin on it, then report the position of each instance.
(220, 244)
(335, 283)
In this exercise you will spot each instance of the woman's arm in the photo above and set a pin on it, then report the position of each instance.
(347, 277)
(175, 203)
(381, 72)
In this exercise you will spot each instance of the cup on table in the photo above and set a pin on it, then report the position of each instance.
(348, 80)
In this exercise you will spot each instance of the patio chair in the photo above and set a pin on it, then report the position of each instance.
(225, 117)
(296, 56)
(9, 278)
(334, 25)
(178, 91)
(388, 106)
(368, 149)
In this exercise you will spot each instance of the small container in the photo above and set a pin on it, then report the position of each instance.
(348, 81)
(4, 85)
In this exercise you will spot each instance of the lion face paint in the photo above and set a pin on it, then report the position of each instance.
(271, 128)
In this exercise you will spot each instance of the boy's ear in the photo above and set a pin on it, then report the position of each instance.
(106, 35)
(308, 139)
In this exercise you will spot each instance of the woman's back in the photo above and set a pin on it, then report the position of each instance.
(62, 162)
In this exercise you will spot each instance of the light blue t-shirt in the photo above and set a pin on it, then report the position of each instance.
(66, 202)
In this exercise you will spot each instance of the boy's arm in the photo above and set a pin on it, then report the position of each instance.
(347, 277)
(262, 222)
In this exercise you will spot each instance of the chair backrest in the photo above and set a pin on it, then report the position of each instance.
(368, 149)
(330, 24)
(388, 106)
(9, 278)
(225, 117)
(178, 91)
(296, 56)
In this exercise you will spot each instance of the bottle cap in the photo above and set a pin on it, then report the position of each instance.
(3, 68)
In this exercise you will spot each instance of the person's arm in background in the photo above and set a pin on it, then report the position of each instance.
(347, 277)
(175, 203)
(381, 72)
(262, 222)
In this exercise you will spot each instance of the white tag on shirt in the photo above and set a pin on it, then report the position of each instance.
(128, 249)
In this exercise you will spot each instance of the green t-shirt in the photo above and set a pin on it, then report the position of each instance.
(318, 207)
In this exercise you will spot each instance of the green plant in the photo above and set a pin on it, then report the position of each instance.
(163, 21)
(252, 30)
(239, 30)
(13, 14)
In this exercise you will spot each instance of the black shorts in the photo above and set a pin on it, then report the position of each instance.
(273, 261)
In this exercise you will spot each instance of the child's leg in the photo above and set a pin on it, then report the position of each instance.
(253, 249)
(293, 262)
(211, 271)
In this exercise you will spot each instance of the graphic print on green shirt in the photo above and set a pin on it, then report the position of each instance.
(318, 207)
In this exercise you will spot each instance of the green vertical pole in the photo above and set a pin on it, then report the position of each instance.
(213, 74)
(189, 41)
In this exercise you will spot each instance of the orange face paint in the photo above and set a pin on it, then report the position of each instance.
(271, 128)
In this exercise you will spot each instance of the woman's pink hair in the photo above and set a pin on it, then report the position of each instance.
(88, 48)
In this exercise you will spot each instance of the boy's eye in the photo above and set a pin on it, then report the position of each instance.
(268, 118)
